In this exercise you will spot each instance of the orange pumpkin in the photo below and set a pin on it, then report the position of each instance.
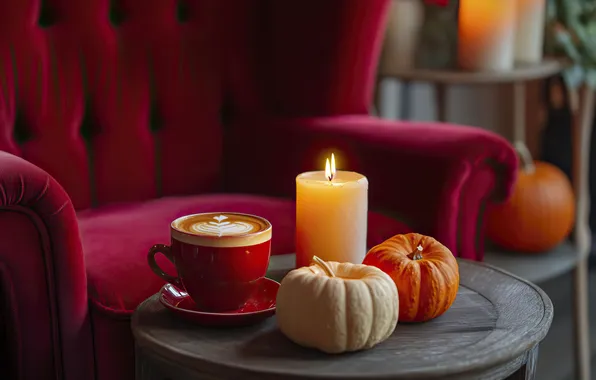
(425, 272)
(541, 212)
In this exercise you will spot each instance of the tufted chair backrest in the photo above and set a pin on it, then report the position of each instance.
(122, 100)
(119, 101)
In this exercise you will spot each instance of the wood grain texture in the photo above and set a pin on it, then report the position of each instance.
(494, 324)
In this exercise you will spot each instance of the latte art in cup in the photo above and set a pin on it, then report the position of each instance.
(220, 258)
(222, 229)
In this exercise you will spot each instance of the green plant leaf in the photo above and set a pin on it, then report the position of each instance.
(571, 33)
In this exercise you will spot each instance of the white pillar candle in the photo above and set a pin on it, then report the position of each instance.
(486, 34)
(529, 35)
(331, 216)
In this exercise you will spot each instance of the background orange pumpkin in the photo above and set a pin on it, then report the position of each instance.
(541, 212)
(425, 272)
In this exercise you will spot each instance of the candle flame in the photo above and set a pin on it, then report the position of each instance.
(332, 165)
(330, 168)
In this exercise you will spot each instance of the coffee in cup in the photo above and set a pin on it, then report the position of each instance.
(219, 257)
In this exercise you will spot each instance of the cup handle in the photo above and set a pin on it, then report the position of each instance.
(165, 250)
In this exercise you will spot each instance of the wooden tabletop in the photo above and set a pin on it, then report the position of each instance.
(488, 333)
(521, 72)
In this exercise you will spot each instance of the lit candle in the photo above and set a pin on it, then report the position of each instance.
(331, 215)
(529, 36)
(486, 34)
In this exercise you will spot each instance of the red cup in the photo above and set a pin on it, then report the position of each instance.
(219, 257)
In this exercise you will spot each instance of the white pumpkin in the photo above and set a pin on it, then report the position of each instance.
(337, 307)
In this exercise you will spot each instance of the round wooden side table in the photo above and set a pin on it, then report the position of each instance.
(492, 331)
(571, 255)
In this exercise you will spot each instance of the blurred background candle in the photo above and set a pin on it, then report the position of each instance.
(486, 35)
(401, 37)
(529, 34)
(331, 215)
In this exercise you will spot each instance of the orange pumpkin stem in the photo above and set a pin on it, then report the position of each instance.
(323, 265)
(417, 254)
(525, 157)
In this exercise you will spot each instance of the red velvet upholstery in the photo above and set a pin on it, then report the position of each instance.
(91, 92)
(312, 58)
(44, 285)
(123, 102)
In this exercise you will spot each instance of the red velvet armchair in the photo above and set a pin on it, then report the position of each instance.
(118, 116)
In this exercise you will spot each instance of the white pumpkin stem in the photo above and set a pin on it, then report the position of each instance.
(525, 156)
(323, 265)
(417, 254)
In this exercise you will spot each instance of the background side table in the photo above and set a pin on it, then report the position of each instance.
(572, 255)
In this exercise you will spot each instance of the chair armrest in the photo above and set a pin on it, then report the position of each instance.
(42, 277)
(435, 177)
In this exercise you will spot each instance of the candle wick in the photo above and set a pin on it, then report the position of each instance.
(330, 177)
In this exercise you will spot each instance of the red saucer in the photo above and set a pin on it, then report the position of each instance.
(257, 309)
